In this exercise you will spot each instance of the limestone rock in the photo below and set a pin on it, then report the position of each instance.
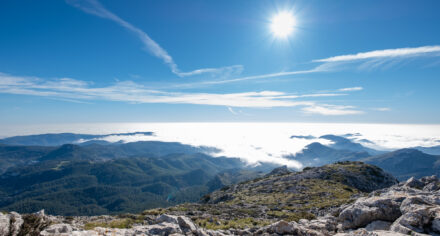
(414, 183)
(10, 224)
(367, 210)
(281, 227)
(57, 230)
(289, 228)
(364, 232)
(167, 218)
(378, 225)
(186, 224)
(326, 224)
(4, 224)
(418, 221)
(164, 228)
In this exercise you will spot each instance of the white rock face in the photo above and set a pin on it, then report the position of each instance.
(4, 224)
(10, 224)
(186, 224)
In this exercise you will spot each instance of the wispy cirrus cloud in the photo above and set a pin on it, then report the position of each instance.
(350, 89)
(128, 91)
(381, 109)
(331, 110)
(386, 53)
(369, 60)
(247, 78)
(94, 7)
(383, 59)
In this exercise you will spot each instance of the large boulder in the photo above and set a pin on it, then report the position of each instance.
(167, 218)
(163, 228)
(424, 219)
(185, 224)
(367, 210)
(281, 227)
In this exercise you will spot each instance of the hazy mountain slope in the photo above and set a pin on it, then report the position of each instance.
(316, 154)
(405, 163)
(342, 143)
(435, 150)
(57, 139)
(11, 156)
(232, 176)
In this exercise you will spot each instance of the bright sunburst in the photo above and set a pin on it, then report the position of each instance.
(282, 24)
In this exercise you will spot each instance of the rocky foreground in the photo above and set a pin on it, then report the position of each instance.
(408, 208)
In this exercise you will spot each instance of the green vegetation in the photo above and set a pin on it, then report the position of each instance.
(93, 180)
(292, 216)
(155, 212)
(236, 223)
(291, 196)
(308, 194)
(118, 223)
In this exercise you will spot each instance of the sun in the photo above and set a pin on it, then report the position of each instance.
(282, 24)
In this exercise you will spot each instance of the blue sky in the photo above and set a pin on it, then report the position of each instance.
(140, 61)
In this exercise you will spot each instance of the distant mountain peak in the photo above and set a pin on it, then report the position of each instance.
(315, 145)
(407, 162)
(343, 143)
(408, 151)
(282, 170)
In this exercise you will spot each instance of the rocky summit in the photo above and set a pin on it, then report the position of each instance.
(349, 198)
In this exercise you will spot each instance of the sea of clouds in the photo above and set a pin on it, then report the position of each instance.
(252, 142)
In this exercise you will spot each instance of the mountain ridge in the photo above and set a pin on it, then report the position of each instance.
(391, 208)
(407, 162)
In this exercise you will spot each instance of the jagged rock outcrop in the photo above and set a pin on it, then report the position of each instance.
(282, 170)
(411, 208)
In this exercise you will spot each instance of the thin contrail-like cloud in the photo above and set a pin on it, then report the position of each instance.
(94, 7)
(350, 89)
(387, 53)
(253, 77)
